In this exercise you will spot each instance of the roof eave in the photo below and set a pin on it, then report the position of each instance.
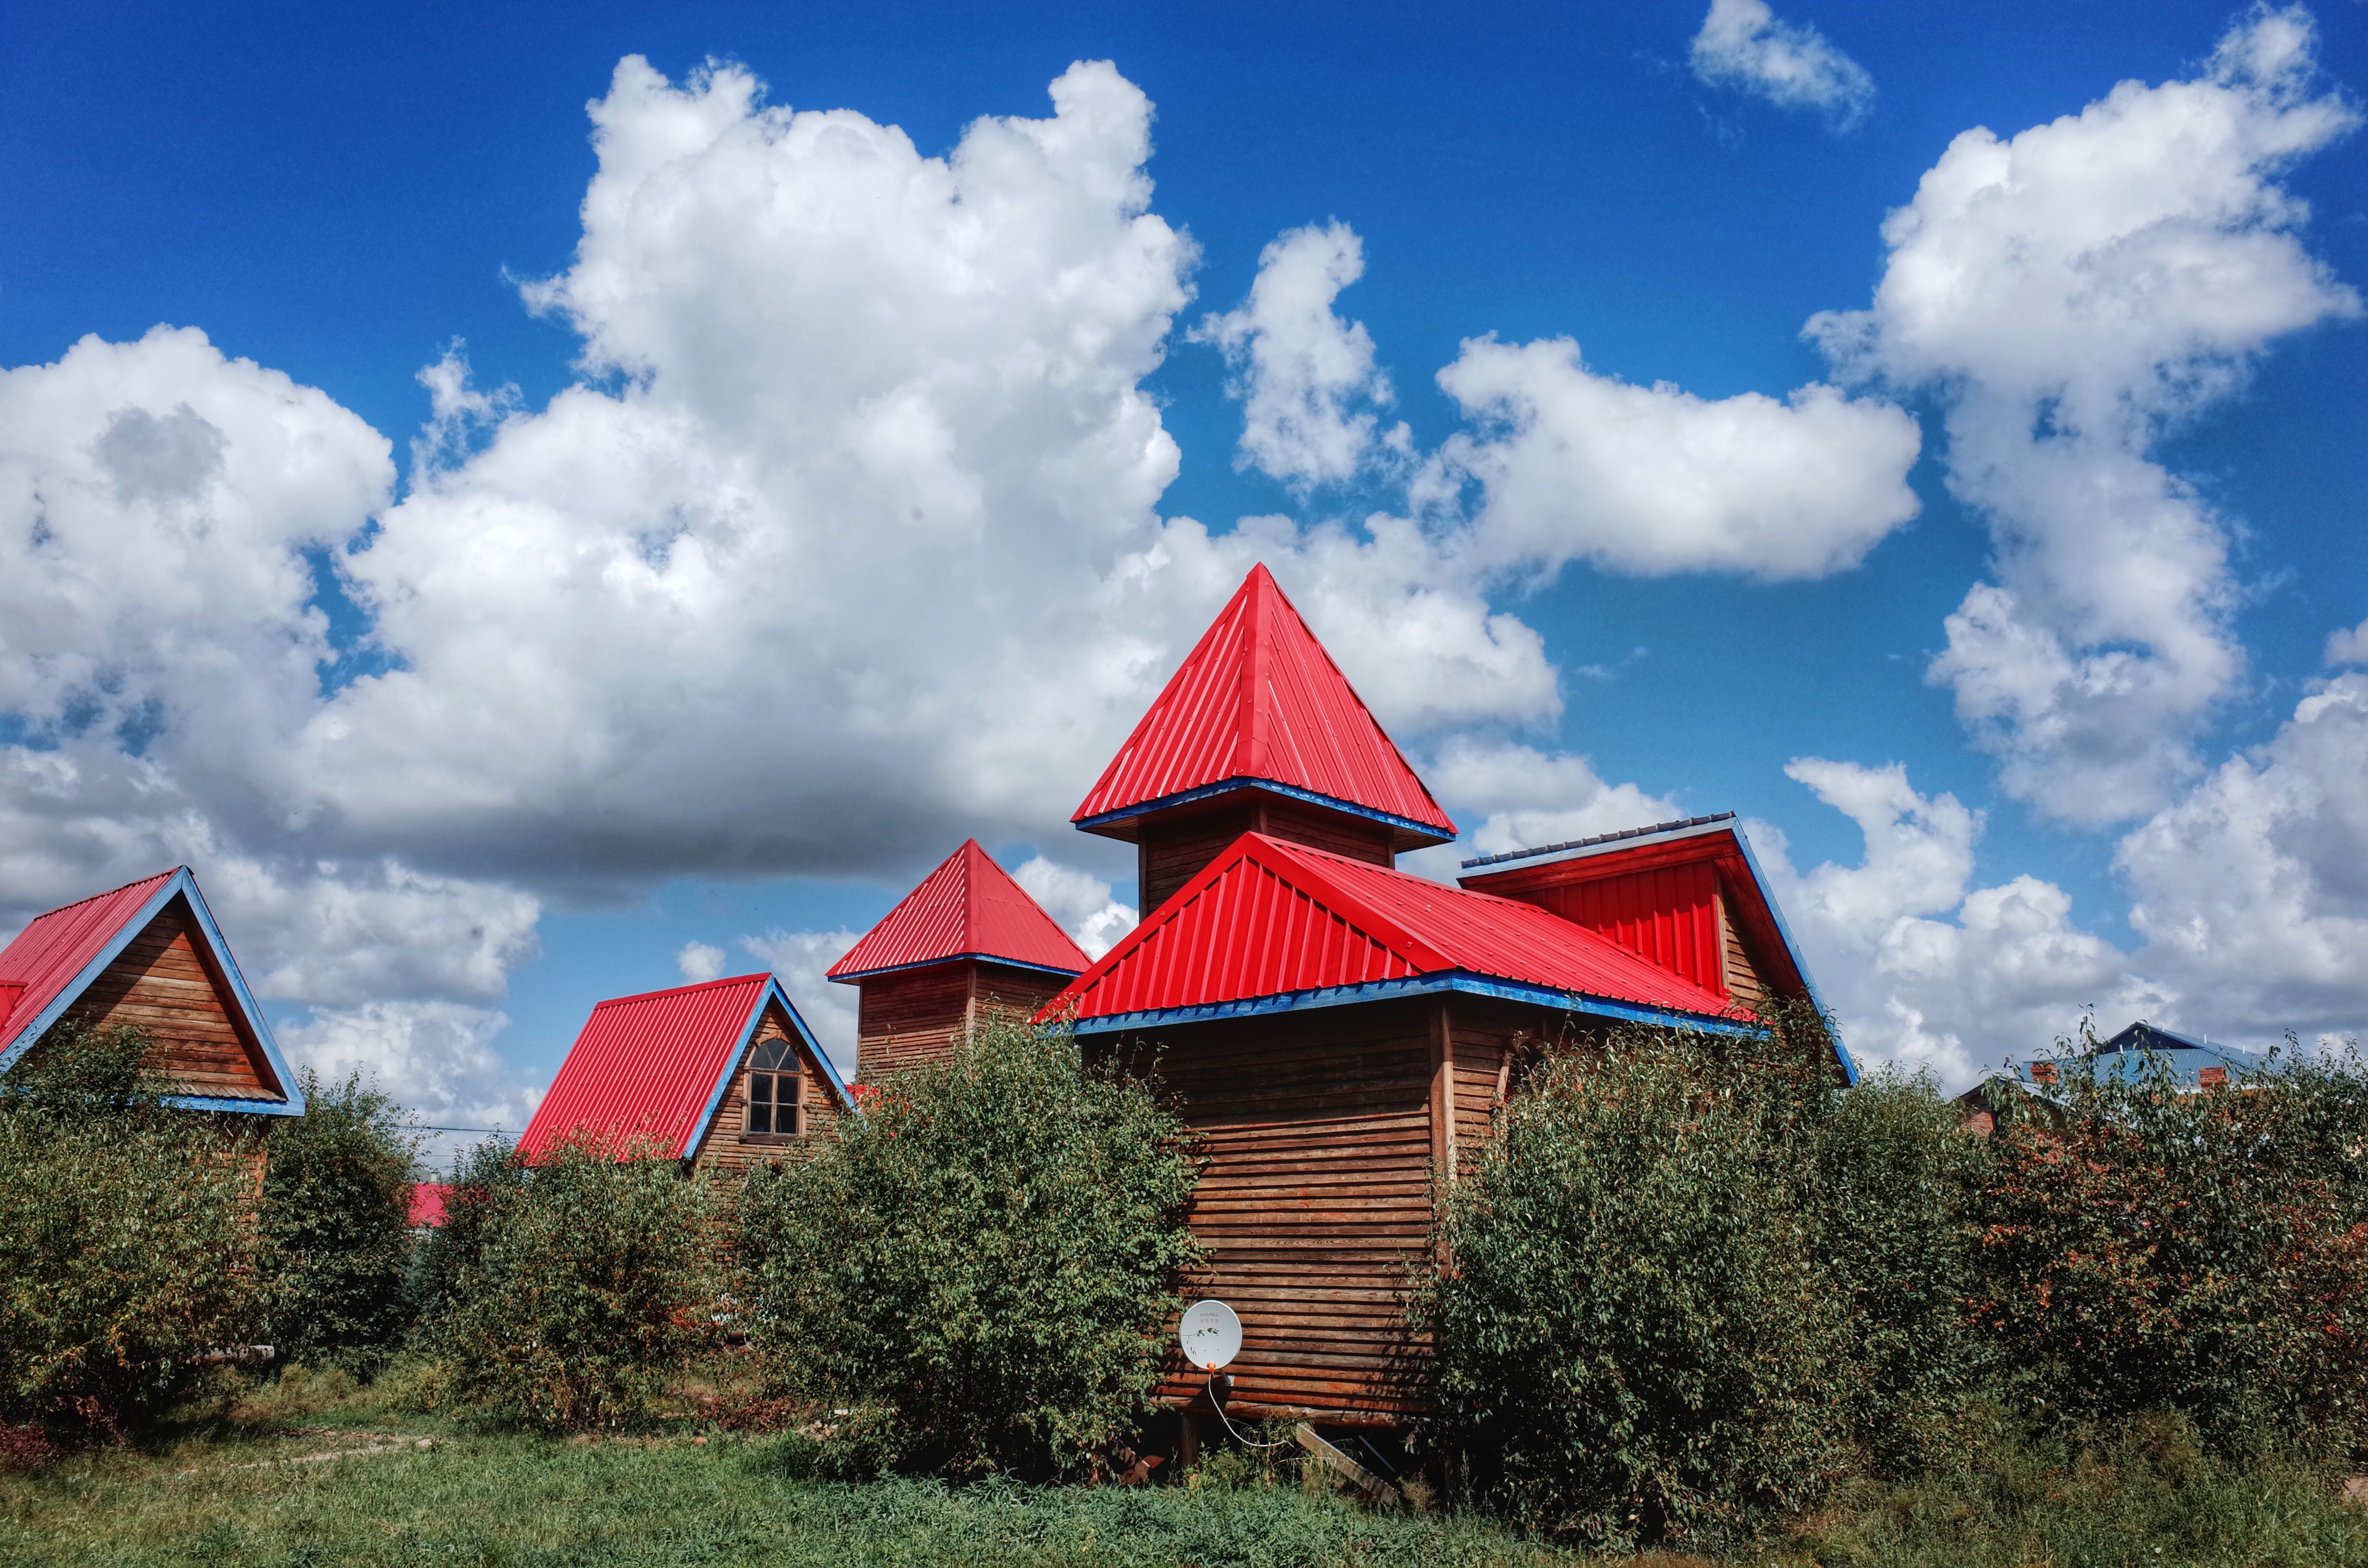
(853, 975)
(1124, 822)
(1438, 982)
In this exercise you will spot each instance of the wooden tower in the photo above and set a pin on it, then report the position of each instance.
(968, 941)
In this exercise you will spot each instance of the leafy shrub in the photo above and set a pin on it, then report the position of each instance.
(1891, 1186)
(979, 1265)
(1636, 1338)
(337, 1198)
(2151, 1247)
(574, 1288)
(127, 1235)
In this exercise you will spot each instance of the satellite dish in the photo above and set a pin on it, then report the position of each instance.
(1210, 1334)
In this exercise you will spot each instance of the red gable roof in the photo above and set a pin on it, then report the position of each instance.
(968, 908)
(48, 955)
(656, 1066)
(1267, 918)
(1259, 701)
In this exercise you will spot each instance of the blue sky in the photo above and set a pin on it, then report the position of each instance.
(452, 769)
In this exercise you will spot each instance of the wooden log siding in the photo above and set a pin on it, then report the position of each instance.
(916, 1015)
(1314, 1203)
(1172, 850)
(1744, 985)
(730, 1149)
(164, 981)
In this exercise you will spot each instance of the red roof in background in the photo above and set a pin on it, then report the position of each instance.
(967, 907)
(1267, 917)
(47, 954)
(1259, 698)
(428, 1202)
(1604, 882)
(649, 1065)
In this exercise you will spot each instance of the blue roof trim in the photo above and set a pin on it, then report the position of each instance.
(853, 975)
(180, 882)
(1793, 951)
(1417, 985)
(772, 992)
(1247, 781)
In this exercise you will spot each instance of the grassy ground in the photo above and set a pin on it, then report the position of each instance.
(223, 1494)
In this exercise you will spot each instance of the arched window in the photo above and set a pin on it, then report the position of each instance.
(776, 1089)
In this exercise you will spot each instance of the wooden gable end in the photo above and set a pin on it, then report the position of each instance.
(730, 1145)
(166, 981)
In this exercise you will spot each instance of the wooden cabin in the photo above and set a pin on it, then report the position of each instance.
(149, 954)
(722, 1076)
(1339, 1032)
(967, 943)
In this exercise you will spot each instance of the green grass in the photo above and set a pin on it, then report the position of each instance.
(479, 1498)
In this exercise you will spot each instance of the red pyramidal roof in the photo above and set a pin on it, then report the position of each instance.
(1270, 920)
(968, 908)
(654, 1067)
(1259, 701)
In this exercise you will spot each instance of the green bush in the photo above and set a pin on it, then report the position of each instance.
(979, 1267)
(1636, 1336)
(127, 1235)
(571, 1290)
(1891, 1186)
(2147, 1248)
(336, 1199)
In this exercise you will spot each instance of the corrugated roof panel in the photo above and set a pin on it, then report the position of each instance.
(1268, 918)
(50, 952)
(647, 1066)
(968, 906)
(1258, 699)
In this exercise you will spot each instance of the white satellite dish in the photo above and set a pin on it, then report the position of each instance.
(1210, 1334)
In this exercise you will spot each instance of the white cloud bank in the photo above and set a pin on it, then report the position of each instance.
(1745, 46)
(2074, 293)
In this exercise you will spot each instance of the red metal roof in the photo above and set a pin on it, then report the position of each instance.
(1258, 699)
(649, 1066)
(47, 955)
(428, 1202)
(1651, 890)
(968, 908)
(1269, 918)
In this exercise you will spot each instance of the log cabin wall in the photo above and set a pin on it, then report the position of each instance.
(916, 1015)
(164, 981)
(1739, 977)
(1173, 847)
(1319, 1134)
(730, 1148)
(1005, 991)
(910, 1016)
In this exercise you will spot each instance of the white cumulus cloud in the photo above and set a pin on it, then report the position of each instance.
(1744, 45)
(1303, 371)
(2074, 293)
(1579, 466)
(1079, 903)
(2347, 645)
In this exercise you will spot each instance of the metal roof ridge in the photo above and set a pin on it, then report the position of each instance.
(758, 974)
(1622, 837)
